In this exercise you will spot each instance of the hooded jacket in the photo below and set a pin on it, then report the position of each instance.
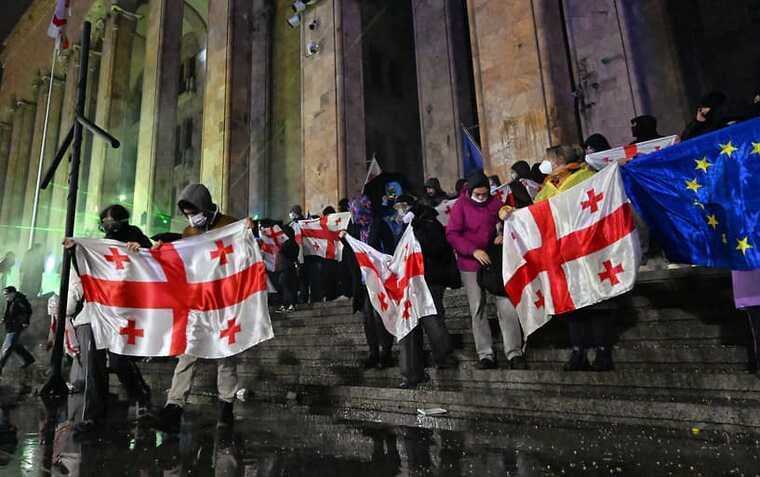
(17, 313)
(437, 254)
(198, 196)
(472, 226)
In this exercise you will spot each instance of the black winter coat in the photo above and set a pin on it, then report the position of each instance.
(440, 263)
(381, 239)
(17, 313)
(130, 233)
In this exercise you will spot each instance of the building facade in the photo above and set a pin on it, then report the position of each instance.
(270, 109)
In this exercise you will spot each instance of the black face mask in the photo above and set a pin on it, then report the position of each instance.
(112, 228)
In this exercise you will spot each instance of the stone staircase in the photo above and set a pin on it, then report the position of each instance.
(680, 363)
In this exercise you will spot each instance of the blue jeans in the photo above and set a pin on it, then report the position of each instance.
(12, 345)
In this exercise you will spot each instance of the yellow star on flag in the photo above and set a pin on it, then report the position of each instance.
(699, 204)
(727, 149)
(755, 148)
(712, 221)
(703, 164)
(693, 185)
(743, 245)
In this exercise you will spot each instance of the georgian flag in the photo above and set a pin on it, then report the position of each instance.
(271, 240)
(57, 27)
(444, 210)
(601, 159)
(205, 296)
(321, 237)
(396, 285)
(576, 249)
(373, 171)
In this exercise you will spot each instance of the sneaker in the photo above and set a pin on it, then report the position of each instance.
(142, 411)
(603, 360)
(487, 363)
(518, 362)
(290, 309)
(226, 418)
(170, 418)
(281, 309)
(578, 361)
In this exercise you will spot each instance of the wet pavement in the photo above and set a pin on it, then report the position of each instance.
(279, 440)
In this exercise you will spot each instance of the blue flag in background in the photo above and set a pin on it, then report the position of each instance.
(472, 159)
(701, 198)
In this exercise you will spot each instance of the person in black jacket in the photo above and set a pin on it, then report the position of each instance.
(375, 232)
(16, 320)
(440, 272)
(708, 117)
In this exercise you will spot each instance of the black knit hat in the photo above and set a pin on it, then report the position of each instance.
(478, 179)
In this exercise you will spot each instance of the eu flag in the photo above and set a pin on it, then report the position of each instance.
(471, 157)
(701, 198)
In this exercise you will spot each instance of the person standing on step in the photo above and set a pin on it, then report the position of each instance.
(16, 320)
(747, 297)
(203, 215)
(375, 232)
(470, 231)
(440, 272)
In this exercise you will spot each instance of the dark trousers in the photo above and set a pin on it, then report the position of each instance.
(130, 377)
(374, 330)
(590, 328)
(328, 277)
(411, 353)
(345, 279)
(753, 316)
(11, 345)
(311, 280)
(287, 285)
(89, 378)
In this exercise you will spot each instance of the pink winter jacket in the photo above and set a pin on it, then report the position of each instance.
(471, 227)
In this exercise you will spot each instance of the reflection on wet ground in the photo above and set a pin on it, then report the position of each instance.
(277, 440)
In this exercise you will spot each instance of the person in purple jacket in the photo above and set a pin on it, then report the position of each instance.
(747, 298)
(470, 231)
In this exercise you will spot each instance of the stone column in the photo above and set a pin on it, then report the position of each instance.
(51, 143)
(332, 104)
(6, 129)
(18, 167)
(113, 93)
(518, 93)
(226, 106)
(158, 113)
(440, 125)
(261, 109)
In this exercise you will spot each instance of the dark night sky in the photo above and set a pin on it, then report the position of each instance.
(10, 12)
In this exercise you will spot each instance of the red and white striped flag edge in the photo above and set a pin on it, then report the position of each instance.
(396, 284)
(601, 159)
(204, 296)
(576, 249)
(271, 241)
(321, 237)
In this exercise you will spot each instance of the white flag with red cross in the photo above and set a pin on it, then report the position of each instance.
(601, 159)
(271, 240)
(205, 296)
(444, 210)
(321, 237)
(576, 249)
(57, 27)
(396, 284)
(373, 171)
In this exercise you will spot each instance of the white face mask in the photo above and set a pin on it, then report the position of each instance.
(494, 189)
(408, 217)
(477, 199)
(546, 167)
(197, 220)
(514, 175)
(292, 216)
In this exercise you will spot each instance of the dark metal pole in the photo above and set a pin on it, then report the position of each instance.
(56, 385)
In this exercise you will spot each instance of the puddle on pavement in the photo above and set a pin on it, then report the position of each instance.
(282, 441)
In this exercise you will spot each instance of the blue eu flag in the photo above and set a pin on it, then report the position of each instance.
(471, 157)
(701, 198)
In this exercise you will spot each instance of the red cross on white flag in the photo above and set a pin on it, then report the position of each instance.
(57, 27)
(204, 296)
(271, 242)
(571, 251)
(599, 160)
(444, 209)
(320, 236)
(396, 285)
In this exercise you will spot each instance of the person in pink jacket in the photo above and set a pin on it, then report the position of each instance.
(747, 298)
(471, 231)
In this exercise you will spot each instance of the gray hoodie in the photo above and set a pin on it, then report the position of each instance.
(199, 197)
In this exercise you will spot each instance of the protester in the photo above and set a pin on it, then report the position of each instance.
(32, 268)
(564, 167)
(746, 286)
(471, 229)
(286, 271)
(494, 182)
(536, 175)
(203, 215)
(393, 190)
(324, 273)
(295, 215)
(18, 311)
(343, 205)
(369, 228)
(596, 143)
(89, 371)
(440, 273)
(644, 128)
(434, 194)
(708, 117)
(460, 186)
(6, 265)
(522, 187)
